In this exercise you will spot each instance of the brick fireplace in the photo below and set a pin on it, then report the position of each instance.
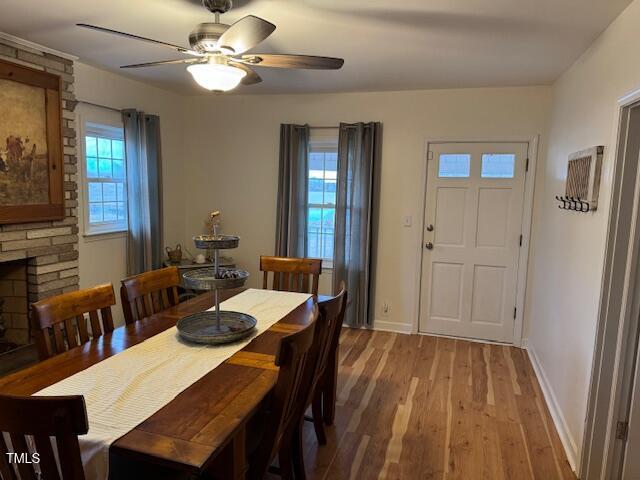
(40, 259)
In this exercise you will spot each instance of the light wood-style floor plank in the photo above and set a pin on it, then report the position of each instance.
(421, 407)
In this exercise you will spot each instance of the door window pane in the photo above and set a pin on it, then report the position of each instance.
(454, 165)
(498, 165)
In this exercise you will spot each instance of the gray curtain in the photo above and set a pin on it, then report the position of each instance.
(359, 149)
(144, 191)
(291, 215)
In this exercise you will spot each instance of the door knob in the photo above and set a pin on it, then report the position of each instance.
(429, 246)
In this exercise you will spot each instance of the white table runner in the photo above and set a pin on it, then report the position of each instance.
(124, 390)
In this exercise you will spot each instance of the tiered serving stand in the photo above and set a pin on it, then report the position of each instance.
(215, 327)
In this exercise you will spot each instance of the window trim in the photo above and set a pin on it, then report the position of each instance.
(117, 228)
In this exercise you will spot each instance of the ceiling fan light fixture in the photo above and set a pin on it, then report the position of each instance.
(216, 77)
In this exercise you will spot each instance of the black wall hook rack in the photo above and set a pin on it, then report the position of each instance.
(574, 204)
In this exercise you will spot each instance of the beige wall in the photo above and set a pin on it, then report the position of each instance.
(103, 257)
(568, 249)
(231, 164)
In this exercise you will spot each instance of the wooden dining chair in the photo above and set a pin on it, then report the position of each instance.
(63, 418)
(326, 337)
(331, 315)
(291, 274)
(60, 322)
(283, 411)
(148, 293)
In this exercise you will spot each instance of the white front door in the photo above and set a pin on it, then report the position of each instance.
(473, 223)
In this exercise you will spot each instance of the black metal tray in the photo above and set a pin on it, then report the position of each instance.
(202, 327)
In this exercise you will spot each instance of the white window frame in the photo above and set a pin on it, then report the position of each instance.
(323, 140)
(112, 132)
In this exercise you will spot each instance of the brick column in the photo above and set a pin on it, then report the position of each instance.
(51, 248)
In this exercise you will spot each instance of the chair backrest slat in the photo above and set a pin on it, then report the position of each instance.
(70, 330)
(291, 274)
(81, 322)
(19, 444)
(6, 470)
(63, 418)
(68, 310)
(107, 318)
(149, 293)
(47, 457)
(57, 334)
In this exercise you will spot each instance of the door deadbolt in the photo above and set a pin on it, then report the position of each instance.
(429, 246)
(429, 228)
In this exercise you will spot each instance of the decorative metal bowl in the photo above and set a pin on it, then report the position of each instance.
(206, 278)
(216, 242)
(202, 327)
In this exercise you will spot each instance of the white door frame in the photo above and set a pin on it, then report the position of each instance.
(527, 215)
(619, 309)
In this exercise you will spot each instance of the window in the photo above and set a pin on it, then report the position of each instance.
(105, 192)
(454, 165)
(498, 165)
(323, 172)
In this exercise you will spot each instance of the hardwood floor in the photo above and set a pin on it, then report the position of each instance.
(419, 407)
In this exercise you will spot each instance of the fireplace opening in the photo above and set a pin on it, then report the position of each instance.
(14, 306)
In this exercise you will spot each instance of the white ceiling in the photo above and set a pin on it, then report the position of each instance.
(387, 45)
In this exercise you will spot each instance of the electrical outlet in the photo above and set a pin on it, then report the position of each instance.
(385, 309)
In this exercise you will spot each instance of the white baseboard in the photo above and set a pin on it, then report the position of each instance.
(568, 442)
(387, 326)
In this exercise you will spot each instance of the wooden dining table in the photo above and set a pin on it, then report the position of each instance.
(205, 423)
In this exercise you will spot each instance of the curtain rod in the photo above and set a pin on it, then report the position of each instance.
(324, 127)
(84, 102)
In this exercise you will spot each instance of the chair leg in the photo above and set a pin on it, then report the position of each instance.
(318, 422)
(298, 454)
(286, 463)
(329, 387)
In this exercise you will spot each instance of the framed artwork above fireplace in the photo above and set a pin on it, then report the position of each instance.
(31, 152)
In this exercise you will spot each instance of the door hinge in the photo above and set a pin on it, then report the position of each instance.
(622, 428)
(515, 312)
(520, 240)
(526, 166)
(429, 155)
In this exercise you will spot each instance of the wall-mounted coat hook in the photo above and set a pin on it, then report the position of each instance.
(574, 204)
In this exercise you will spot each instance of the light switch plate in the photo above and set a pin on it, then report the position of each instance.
(407, 220)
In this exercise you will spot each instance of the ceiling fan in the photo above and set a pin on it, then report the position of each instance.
(219, 60)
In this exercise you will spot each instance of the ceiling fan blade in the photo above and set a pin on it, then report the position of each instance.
(292, 61)
(246, 33)
(252, 77)
(137, 37)
(164, 62)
